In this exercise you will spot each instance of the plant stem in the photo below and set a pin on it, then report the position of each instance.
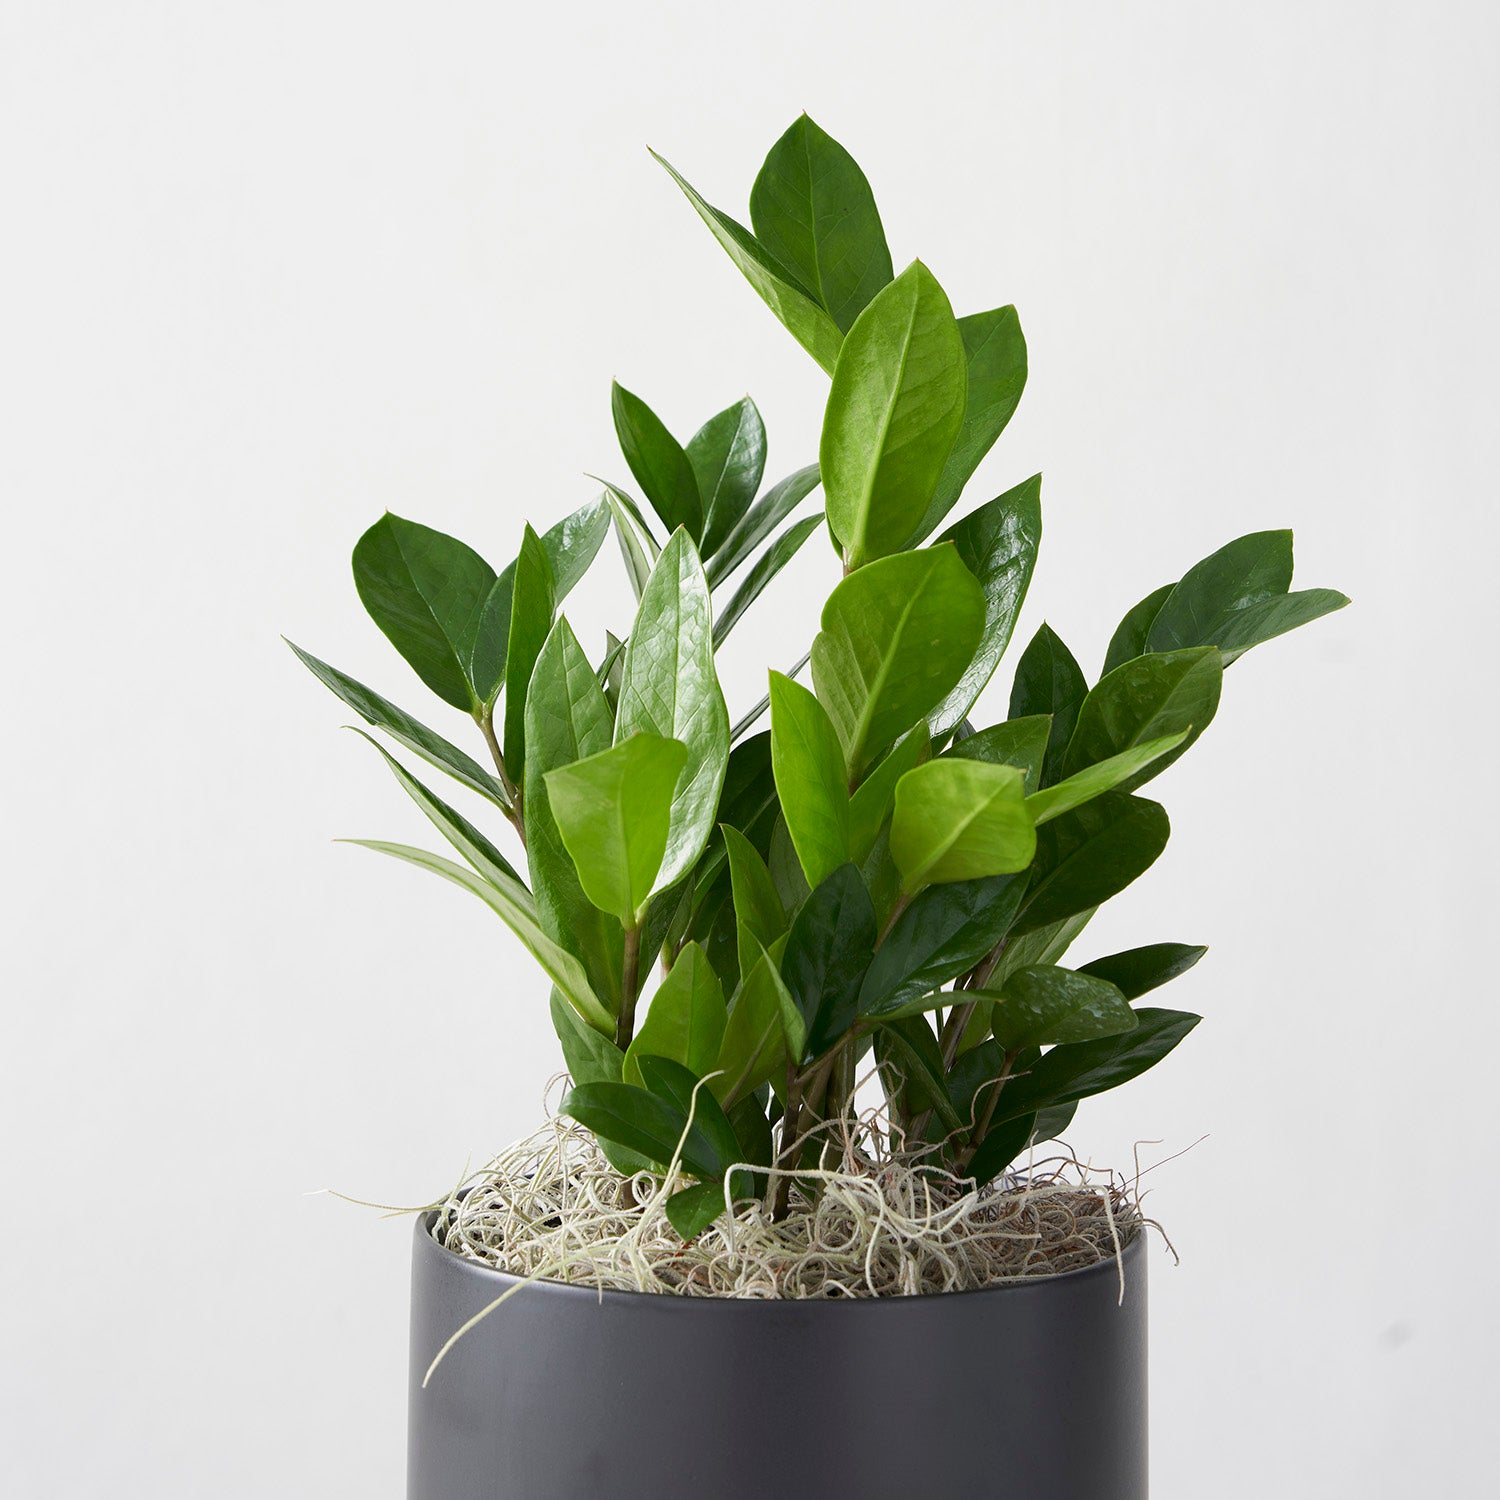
(982, 1126)
(791, 1124)
(902, 902)
(954, 1028)
(630, 980)
(486, 721)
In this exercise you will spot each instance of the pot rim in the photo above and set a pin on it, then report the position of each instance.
(1131, 1251)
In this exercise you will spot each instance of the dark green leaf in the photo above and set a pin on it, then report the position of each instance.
(533, 603)
(995, 354)
(1003, 1143)
(810, 781)
(827, 952)
(712, 1146)
(656, 458)
(998, 544)
(1140, 970)
(1250, 569)
(641, 1122)
(812, 209)
(1044, 1004)
(909, 1050)
(807, 322)
(871, 804)
(1273, 617)
(894, 410)
(1129, 639)
(686, 1019)
(1050, 1123)
(426, 591)
(896, 637)
(1017, 742)
(1049, 681)
(693, 1209)
(728, 455)
(767, 566)
(759, 522)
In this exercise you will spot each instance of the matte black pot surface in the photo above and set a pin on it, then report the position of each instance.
(1035, 1391)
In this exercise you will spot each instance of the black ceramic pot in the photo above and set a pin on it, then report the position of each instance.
(1034, 1391)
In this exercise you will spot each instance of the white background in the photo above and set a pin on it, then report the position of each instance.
(266, 270)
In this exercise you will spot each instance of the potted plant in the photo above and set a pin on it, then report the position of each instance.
(806, 970)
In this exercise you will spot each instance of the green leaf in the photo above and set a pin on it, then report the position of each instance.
(754, 1048)
(871, 804)
(1045, 1004)
(1082, 1069)
(1250, 569)
(637, 546)
(567, 720)
(1153, 697)
(1140, 970)
(728, 455)
(613, 810)
(827, 952)
(1003, 1143)
(1129, 639)
(1049, 681)
(908, 1049)
(661, 467)
(995, 356)
(759, 522)
(767, 566)
(591, 1057)
(960, 820)
(894, 410)
(711, 1141)
(1017, 742)
(1040, 945)
(639, 1120)
(998, 544)
(426, 591)
(686, 1018)
(945, 931)
(693, 1209)
(807, 322)
(400, 725)
(1091, 854)
(513, 906)
(532, 606)
(1049, 1124)
(1103, 776)
(812, 209)
(1273, 617)
(670, 689)
(896, 638)
(809, 769)
(759, 916)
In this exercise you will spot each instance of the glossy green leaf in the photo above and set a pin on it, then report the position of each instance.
(533, 604)
(760, 917)
(1049, 681)
(754, 1048)
(894, 410)
(728, 456)
(1048, 1124)
(426, 591)
(686, 1018)
(1045, 1004)
(711, 1141)
(396, 722)
(1082, 1069)
(639, 1120)
(1003, 1143)
(998, 544)
(591, 1057)
(995, 359)
(1092, 853)
(908, 1049)
(828, 950)
(691, 1210)
(896, 638)
(1129, 639)
(945, 931)
(759, 522)
(1045, 944)
(514, 907)
(960, 820)
(767, 566)
(872, 802)
(637, 546)
(1103, 776)
(567, 719)
(1140, 970)
(803, 318)
(1175, 694)
(808, 764)
(813, 211)
(1017, 742)
(1247, 571)
(670, 688)
(658, 461)
(1273, 617)
(613, 811)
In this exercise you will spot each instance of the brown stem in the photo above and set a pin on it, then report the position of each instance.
(986, 1119)
(486, 722)
(786, 1156)
(630, 979)
(902, 902)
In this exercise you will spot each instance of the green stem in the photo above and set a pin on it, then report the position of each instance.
(630, 979)
(486, 721)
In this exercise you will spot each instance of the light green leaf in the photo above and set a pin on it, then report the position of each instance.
(591, 1057)
(426, 591)
(1041, 1005)
(754, 1048)
(1017, 742)
(803, 318)
(896, 638)
(998, 544)
(613, 810)
(759, 915)
(400, 725)
(894, 410)
(810, 780)
(728, 455)
(1103, 776)
(686, 1018)
(813, 211)
(656, 458)
(960, 820)
(871, 804)
(514, 907)
(533, 603)
(759, 522)
(670, 688)
(637, 546)
(767, 566)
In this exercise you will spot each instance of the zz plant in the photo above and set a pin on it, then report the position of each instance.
(879, 877)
